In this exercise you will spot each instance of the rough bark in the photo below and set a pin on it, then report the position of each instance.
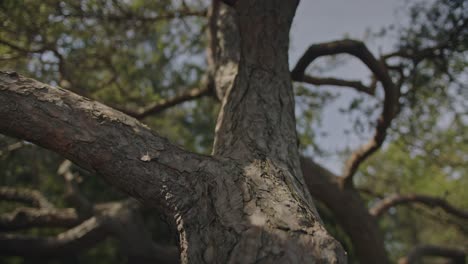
(126, 153)
(256, 128)
(249, 202)
(349, 210)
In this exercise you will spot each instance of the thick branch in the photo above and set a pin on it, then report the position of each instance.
(31, 197)
(117, 147)
(457, 256)
(23, 218)
(349, 46)
(349, 210)
(430, 201)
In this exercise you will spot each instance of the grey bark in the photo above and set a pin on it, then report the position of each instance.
(248, 203)
(349, 210)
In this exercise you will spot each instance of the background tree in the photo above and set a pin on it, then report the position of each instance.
(144, 58)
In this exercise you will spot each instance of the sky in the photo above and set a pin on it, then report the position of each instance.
(319, 21)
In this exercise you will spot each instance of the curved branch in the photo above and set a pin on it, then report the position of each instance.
(360, 51)
(23, 218)
(349, 46)
(115, 146)
(457, 256)
(398, 199)
(22, 195)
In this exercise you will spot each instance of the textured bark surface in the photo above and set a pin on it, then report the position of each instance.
(248, 203)
(349, 210)
(256, 128)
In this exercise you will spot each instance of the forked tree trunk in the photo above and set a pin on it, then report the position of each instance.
(260, 211)
(246, 204)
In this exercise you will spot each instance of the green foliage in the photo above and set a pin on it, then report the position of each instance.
(437, 168)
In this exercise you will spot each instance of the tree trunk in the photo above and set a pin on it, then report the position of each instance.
(248, 203)
(261, 209)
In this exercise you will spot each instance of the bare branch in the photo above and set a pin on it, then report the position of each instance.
(115, 146)
(416, 55)
(451, 42)
(23, 218)
(229, 2)
(129, 16)
(162, 105)
(358, 85)
(72, 192)
(22, 195)
(399, 199)
(85, 235)
(18, 48)
(121, 220)
(457, 256)
(359, 50)
(11, 147)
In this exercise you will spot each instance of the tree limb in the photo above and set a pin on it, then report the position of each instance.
(11, 147)
(164, 104)
(22, 195)
(129, 16)
(72, 192)
(23, 218)
(118, 219)
(117, 147)
(416, 55)
(349, 210)
(23, 50)
(85, 235)
(457, 256)
(229, 2)
(358, 85)
(359, 50)
(398, 199)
